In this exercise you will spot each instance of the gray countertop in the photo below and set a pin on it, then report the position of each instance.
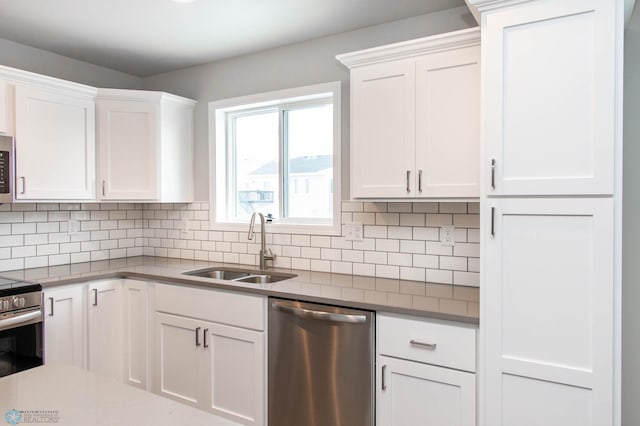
(440, 301)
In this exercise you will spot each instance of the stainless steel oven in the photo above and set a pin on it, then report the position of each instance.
(20, 326)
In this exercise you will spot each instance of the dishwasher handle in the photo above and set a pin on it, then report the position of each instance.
(319, 315)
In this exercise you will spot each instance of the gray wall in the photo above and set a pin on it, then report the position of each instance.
(28, 58)
(295, 65)
(631, 233)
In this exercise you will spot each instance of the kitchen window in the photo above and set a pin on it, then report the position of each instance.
(277, 153)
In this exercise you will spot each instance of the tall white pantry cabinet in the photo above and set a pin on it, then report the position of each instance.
(550, 203)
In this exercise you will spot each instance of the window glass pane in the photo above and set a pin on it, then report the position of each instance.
(255, 165)
(309, 168)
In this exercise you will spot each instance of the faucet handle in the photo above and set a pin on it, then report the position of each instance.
(269, 255)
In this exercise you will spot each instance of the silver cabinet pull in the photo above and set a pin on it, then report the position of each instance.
(204, 338)
(408, 177)
(425, 345)
(319, 315)
(198, 336)
(493, 173)
(95, 297)
(23, 180)
(493, 221)
(383, 381)
(51, 306)
(103, 185)
(419, 180)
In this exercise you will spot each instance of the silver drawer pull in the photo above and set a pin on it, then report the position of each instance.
(426, 345)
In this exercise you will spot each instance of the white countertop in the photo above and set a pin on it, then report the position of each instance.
(80, 398)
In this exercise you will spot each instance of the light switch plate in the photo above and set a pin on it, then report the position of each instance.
(448, 235)
(353, 231)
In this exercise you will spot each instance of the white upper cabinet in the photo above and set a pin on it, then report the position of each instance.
(550, 98)
(55, 144)
(145, 145)
(415, 118)
(383, 133)
(4, 108)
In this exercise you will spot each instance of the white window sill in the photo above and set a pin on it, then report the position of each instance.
(281, 228)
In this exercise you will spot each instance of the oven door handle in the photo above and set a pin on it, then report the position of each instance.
(20, 319)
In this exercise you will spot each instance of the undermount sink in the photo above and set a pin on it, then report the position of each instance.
(240, 275)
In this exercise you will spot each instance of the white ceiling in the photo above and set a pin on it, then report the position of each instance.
(145, 37)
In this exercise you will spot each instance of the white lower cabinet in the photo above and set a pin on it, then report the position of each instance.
(426, 372)
(137, 333)
(415, 394)
(209, 351)
(65, 326)
(235, 359)
(104, 314)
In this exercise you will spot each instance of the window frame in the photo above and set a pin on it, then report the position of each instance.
(220, 173)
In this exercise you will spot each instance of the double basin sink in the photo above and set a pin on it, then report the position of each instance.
(251, 276)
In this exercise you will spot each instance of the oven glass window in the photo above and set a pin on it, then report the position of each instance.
(20, 348)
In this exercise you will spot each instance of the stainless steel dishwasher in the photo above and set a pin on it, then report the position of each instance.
(321, 365)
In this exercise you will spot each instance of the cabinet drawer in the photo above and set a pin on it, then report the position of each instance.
(429, 342)
(240, 310)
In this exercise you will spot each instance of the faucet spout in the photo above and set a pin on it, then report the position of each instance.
(263, 240)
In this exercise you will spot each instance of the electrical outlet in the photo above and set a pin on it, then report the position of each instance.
(353, 231)
(448, 235)
(73, 227)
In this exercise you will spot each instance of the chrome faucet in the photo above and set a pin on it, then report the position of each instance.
(264, 253)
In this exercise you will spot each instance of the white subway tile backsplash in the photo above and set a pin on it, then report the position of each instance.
(437, 220)
(371, 231)
(399, 207)
(330, 254)
(23, 251)
(387, 245)
(353, 256)
(377, 257)
(426, 234)
(399, 259)
(375, 207)
(23, 228)
(11, 240)
(425, 208)
(401, 240)
(453, 207)
(412, 219)
(399, 232)
(410, 246)
(365, 218)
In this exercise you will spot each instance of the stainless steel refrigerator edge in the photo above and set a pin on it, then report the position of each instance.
(321, 365)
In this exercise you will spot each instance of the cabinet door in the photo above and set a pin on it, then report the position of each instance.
(548, 313)
(235, 365)
(64, 326)
(383, 130)
(136, 333)
(415, 394)
(4, 108)
(128, 133)
(105, 328)
(550, 97)
(179, 359)
(55, 146)
(448, 124)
